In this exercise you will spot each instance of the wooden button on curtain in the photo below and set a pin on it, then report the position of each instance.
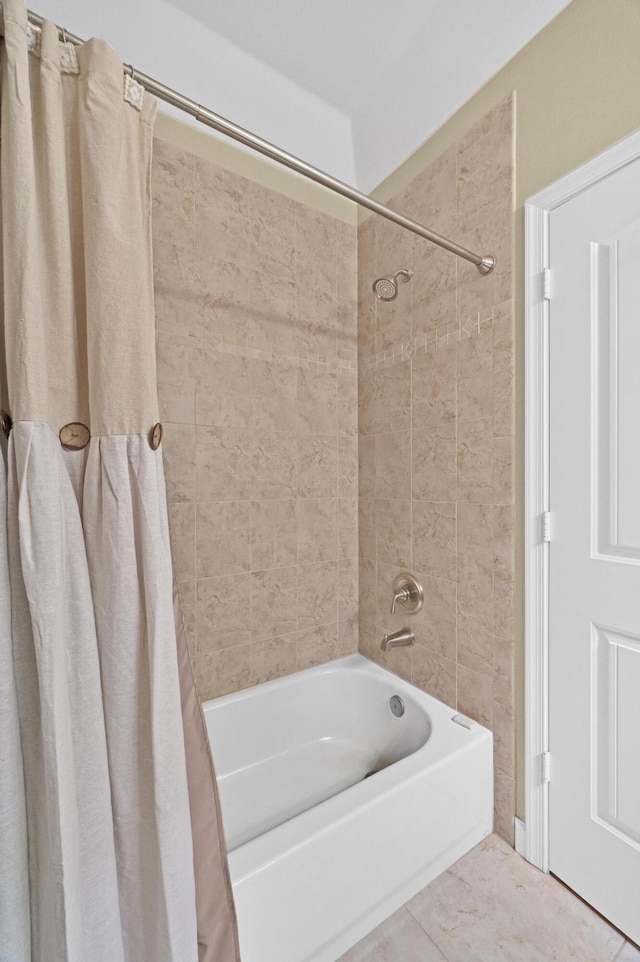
(155, 438)
(75, 435)
(6, 423)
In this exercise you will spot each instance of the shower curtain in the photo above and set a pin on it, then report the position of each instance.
(110, 840)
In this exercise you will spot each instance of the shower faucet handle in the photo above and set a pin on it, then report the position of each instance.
(407, 594)
(402, 594)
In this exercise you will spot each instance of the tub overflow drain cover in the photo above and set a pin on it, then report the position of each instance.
(397, 705)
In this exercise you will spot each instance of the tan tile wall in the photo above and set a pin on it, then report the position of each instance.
(256, 317)
(279, 461)
(436, 422)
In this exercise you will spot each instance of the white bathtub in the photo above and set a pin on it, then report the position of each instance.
(319, 855)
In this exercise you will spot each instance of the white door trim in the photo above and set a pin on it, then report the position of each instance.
(532, 841)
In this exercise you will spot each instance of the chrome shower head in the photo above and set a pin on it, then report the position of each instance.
(386, 288)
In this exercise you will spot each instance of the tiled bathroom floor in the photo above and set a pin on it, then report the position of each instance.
(492, 906)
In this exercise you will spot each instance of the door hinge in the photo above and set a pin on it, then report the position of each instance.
(546, 283)
(545, 527)
(545, 768)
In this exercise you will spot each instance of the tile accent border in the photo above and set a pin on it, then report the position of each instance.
(431, 341)
(312, 362)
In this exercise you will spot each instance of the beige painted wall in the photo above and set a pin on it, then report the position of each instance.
(577, 88)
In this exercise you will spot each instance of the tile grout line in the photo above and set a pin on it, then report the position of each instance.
(456, 393)
(411, 462)
(195, 438)
(338, 469)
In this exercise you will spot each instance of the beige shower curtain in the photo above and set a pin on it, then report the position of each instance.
(110, 843)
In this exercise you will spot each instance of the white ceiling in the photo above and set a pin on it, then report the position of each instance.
(352, 86)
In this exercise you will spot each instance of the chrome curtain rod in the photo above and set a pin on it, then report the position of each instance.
(485, 264)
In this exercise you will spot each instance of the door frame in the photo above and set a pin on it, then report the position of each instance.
(532, 836)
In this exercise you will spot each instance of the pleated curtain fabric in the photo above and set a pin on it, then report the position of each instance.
(111, 847)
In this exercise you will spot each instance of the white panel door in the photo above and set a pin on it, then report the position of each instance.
(594, 600)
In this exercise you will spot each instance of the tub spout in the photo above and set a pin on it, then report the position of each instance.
(398, 639)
